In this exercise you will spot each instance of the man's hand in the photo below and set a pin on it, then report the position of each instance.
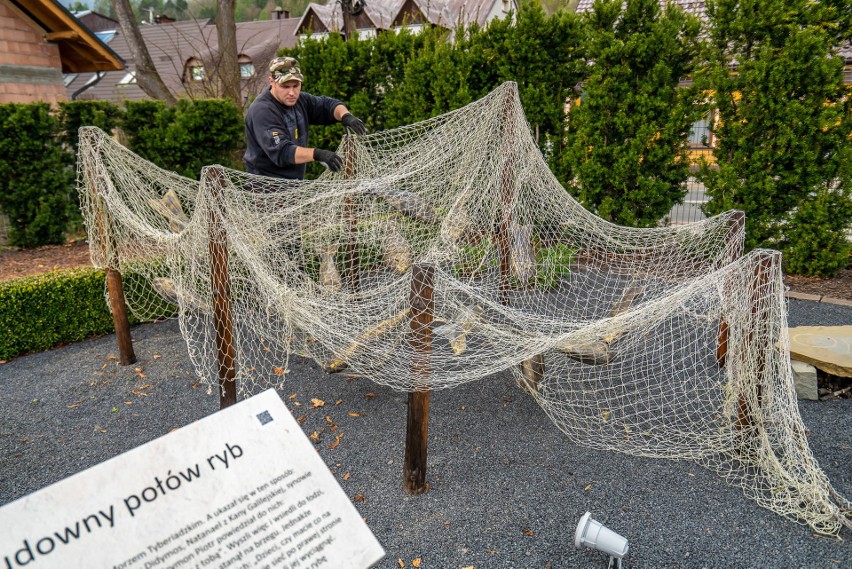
(354, 124)
(331, 160)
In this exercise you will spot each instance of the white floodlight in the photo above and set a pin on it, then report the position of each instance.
(595, 535)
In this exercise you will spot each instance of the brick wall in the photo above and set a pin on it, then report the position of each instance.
(30, 68)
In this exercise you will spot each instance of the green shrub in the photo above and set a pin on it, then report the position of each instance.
(36, 182)
(784, 127)
(185, 137)
(36, 313)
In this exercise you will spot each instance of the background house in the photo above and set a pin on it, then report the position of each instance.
(185, 54)
(393, 15)
(39, 41)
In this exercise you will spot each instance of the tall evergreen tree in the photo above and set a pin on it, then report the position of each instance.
(628, 136)
(784, 126)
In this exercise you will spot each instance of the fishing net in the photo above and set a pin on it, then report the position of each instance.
(446, 251)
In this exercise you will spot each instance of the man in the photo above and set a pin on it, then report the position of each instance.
(277, 125)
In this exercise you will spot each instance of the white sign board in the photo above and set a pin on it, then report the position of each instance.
(242, 488)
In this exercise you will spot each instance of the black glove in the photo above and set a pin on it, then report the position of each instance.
(331, 160)
(354, 124)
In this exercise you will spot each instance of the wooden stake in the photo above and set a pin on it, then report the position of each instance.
(220, 284)
(734, 238)
(117, 301)
(762, 273)
(351, 219)
(532, 369)
(417, 428)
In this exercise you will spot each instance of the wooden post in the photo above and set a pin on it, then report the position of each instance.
(533, 368)
(417, 428)
(735, 228)
(350, 219)
(118, 307)
(760, 283)
(220, 284)
(507, 199)
(117, 301)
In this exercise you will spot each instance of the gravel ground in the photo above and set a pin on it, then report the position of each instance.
(506, 489)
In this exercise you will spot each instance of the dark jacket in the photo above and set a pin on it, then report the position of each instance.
(274, 130)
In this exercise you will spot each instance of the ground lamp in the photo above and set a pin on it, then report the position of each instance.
(595, 535)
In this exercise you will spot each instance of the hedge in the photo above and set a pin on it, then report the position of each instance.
(39, 312)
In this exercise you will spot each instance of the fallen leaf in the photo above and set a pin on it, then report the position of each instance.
(467, 567)
(360, 498)
(351, 414)
(112, 357)
(302, 419)
(328, 419)
(99, 428)
(316, 403)
(371, 395)
(128, 402)
(336, 441)
(491, 551)
(292, 396)
(279, 371)
(346, 476)
(297, 404)
(315, 437)
(588, 487)
(137, 369)
(156, 356)
(4, 361)
(400, 562)
(415, 562)
(338, 402)
(462, 407)
(350, 378)
(528, 532)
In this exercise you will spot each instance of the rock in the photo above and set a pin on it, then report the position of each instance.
(805, 376)
(828, 348)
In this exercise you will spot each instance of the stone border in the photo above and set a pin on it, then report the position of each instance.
(817, 298)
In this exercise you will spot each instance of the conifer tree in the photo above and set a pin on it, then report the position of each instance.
(784, 127)
(628, 136)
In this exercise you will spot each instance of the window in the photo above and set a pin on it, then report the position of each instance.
(195, 70)
(128, 79)
(700, 133)
(198, 73)
(246, 67)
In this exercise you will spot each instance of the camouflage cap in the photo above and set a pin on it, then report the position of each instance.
(283, 69)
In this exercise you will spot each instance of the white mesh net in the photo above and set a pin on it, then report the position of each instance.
(446, 251)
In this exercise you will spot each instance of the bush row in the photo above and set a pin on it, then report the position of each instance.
(38, 149)
(37, 313)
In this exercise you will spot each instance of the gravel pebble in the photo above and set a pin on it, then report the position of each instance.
(506, 489)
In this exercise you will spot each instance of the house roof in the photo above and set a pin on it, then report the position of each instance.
(387, 14)
(172, 45)
(80, 50)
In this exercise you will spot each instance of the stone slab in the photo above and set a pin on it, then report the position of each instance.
(805, 377)
(803, 296)
(828, 348)
(243, 488)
